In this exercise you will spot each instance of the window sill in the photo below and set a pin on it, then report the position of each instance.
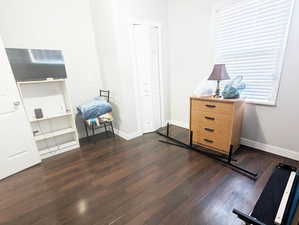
(262, 103)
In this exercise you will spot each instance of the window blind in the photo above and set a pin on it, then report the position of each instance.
(46, 56)
(250, 38)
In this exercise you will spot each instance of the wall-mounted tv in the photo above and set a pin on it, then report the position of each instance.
(36, 64)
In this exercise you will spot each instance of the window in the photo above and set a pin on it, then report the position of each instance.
(250, 38)
(46, 56)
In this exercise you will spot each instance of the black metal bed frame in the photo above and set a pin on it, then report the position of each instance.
(247, 219)
(226, 160)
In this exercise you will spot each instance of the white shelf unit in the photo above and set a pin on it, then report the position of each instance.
(53, 134)
(51, 117)
(56, 131)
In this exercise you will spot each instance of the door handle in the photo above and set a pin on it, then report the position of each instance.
(211, 106)
(209, 141)
(209, 118)
(209, 129)
(17, 103)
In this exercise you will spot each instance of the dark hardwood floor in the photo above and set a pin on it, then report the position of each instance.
(142, 181)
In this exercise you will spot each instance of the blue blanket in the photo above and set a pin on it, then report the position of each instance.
(94, 108)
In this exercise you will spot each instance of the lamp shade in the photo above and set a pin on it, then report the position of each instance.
(219, 73)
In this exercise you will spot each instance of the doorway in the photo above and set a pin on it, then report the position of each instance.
(147, 60)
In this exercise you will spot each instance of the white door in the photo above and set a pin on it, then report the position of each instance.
(147, 58)
(17, 148)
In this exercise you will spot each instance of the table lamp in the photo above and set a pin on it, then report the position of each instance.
(219, 73)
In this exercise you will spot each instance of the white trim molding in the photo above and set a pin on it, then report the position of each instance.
(132, 23)
(179, 124)
(60, 151)
(271, 149)
(127, 136)
(291, 154)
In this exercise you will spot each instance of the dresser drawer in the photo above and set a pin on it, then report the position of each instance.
(212, 120)
(220, 143)
(212, 107)
(214, 131)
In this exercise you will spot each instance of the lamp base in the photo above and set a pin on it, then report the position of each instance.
(217, 93)
(217, 96)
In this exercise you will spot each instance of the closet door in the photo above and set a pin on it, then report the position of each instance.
(156, 76)
(17, 148)
(146, 41)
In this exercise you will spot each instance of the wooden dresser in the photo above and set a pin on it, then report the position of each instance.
(216, 123)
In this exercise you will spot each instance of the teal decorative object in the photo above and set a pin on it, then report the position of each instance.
(233, 88)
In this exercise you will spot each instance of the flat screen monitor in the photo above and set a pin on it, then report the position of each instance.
(36, 64)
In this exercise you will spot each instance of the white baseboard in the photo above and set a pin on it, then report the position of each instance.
(127, 136)
(130, 136)
(164, 124)
(179, 124)
(271, 149)
(60, 151)
(122, 134)
(257, 145)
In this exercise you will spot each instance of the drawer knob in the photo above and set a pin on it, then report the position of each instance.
(211, 106)
(209, 118)
(209, 129)
(209, 141)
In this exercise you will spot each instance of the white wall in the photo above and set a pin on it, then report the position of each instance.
(278, 125)
(270, 128)
(190, 52)
(111, 20)
(56, 24)
(105, 21)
